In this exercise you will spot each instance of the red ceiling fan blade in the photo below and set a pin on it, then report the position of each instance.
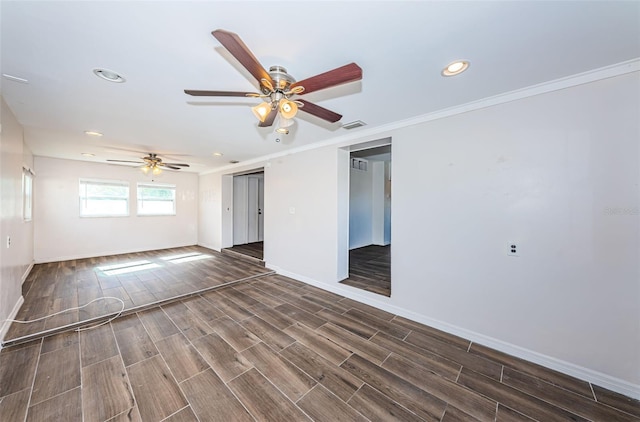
(341, 75)
(165, 165)
(241, 52)
(200, 93)
(268, 121)
(320, 112)
(124, 161)
(175, 164)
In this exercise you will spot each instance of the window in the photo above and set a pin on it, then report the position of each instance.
(27, 194)
(154, 199)
(104, 198)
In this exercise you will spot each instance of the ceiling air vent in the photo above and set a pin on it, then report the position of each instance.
(354, 124)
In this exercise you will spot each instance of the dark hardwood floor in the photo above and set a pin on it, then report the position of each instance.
(253, 250)
(370, 269)
(270, 348)
(138, 279)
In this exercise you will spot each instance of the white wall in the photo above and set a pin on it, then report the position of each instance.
(558, 173)
(60, 233)
(16, 260)
(543, 172)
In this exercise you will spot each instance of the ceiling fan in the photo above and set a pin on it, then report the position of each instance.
(152, 163)
(277, 86)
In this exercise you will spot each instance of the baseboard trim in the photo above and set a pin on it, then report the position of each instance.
(27, 271)
(213, 248)
(106, 253)
(598, 378)
(4, 328)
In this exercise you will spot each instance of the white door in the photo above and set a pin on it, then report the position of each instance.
(255, 208)
(240, 208)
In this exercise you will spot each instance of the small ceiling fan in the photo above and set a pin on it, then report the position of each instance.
(152, 163)
(277, 86)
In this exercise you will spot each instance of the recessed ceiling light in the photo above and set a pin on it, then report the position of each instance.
(455, 68)
(218, 154)
(92, 133)
(88, 154)
(109, 75)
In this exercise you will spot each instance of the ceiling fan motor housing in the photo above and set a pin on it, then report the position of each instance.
(281, 80)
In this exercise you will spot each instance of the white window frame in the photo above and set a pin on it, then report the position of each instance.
(27, 194)
(140, 201)
(119, 183)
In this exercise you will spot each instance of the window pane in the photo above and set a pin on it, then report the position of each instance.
(156, 199)
(104, 198)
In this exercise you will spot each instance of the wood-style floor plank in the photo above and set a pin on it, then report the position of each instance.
(14, 406)
(203, 309)
(300, 315)
(184, 415)
(97, 345)
(321, 405)
(270, 335)
(57, 372)
(377, 323)
(18, 368)
(235, 334)
(515, 399)
(158, 324)
(380, 408)
(618, 401)
(446, 390)
(188, 322)
(320, 343)
(181, 357)
(133, 340)
(476, 363)
(335, 379)
(263, 400)
(64, 407)
(353, 343)
(287, 377)
(155, 390)
(419, 401)
(562, 398)
(211, 400)
(131, 415)
(553, 377)
(434, 363)
(223, 358)
(349, 324)
(105, 390)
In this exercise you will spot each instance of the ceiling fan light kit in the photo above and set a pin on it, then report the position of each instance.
(277, 86)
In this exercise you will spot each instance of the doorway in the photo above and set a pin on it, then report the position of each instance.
(248, 215)
(370, 220)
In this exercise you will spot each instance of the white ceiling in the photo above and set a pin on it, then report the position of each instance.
(164, 47)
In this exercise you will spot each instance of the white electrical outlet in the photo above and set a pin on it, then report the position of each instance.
(513, 249)
(8, 242)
